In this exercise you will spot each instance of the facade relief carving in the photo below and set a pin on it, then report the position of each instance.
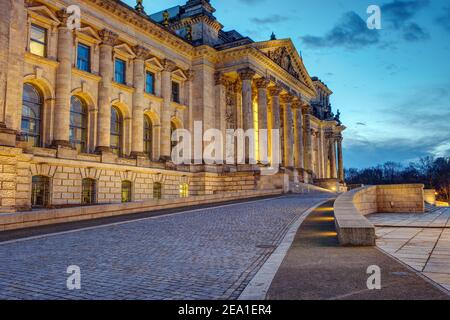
(284, 60)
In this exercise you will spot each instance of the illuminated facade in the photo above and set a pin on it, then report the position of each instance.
(86, 114)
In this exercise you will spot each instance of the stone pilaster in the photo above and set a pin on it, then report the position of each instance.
(12, 52)
(288, 131)
(275, 97)
(137, 141)
(221, 103)
(298, 135)
(109, 39)
(308, 137)
(340, 159)
(262, 84)
(246, 76)
(166, 92)
(63, 82)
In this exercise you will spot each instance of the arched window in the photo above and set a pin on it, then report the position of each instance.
(184, 190)
(89, 191)
(78, 124)
(157, 190)
(31, 115)
(40, 191)
(148, 135)
(116, 131)
(126, 191)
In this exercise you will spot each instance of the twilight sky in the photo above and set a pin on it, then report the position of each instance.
(392, 86)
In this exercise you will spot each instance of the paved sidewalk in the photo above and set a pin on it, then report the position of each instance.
(317, 267)
(422, 241)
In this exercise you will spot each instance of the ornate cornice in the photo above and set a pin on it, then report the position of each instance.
(135, 18)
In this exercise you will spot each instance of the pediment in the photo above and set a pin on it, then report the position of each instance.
(89, 33)
(284, 54)
(179, 74)
(125, 50)
(154, 63)
(43, 14)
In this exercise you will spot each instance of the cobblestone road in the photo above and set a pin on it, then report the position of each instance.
(206, 254)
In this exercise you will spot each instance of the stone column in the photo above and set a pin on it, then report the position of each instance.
(166, 93)
(262, 84)
(63, 82)
(221, 105)
(109, 38)
(340, 160)
(298, 135)
(275, 94)
(308, 137)
(137, 141)
(6, 9)
(332, 155)
(246, 76)
(288, 132)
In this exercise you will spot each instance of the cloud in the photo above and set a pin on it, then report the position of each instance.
(399, 12)
(412, 32)
(350, 32)
(444, 19)
(414, 127)
(272, 19)
(360, 124)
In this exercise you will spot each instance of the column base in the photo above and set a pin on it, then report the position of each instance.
(61, 143)
(138, 154)
(102, 150)
(7, 136)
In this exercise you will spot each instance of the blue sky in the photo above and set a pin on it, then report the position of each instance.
(392, 86)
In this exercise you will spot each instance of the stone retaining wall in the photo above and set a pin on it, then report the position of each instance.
(20, 220)
(350, 208)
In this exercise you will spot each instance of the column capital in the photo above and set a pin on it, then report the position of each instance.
(306, 109)
(63, 16)
(190, 74)
(262, 83)
(275, 91)
(169, 65)
(296, 103)
(287, 98)
(108, 37)
(219, 79)
(246, 73)
(141, 52)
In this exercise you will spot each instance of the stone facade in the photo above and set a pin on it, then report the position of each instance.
(137, 79)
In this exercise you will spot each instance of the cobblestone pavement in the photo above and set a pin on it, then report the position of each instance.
(422, 241)
(202, 254)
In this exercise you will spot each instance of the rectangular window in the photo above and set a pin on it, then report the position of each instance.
(38, 40)
(120, 69)
(150, 82)
(84, 57)
(175, 92)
